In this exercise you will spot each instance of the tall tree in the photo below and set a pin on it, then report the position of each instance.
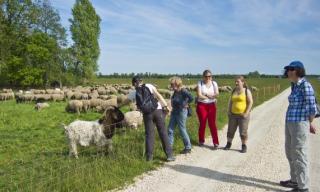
(85, 29)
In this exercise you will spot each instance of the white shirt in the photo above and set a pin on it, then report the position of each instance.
(132, 94)
(207, 91)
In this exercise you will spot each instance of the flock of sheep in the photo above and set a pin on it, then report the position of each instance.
(105, 99)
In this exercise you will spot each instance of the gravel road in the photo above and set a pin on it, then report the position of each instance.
(258, 170)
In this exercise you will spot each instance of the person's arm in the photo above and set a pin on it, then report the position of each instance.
(189, 96)
(249, 103)
(309, 98)
(199, 93)
(160, 98)
(229, 106)
(216, 91)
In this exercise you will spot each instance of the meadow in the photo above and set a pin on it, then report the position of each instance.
(34, 150)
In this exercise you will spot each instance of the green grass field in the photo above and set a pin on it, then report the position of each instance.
(34, 151)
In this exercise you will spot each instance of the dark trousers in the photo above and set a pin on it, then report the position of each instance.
(156, 118)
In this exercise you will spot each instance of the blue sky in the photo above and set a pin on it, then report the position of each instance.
(226, 36)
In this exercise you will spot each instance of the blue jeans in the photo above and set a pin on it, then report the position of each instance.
(179, 118)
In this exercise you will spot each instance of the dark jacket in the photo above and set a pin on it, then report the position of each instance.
(180, 99)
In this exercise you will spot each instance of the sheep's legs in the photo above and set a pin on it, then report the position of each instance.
(73, 150)
(109, 146)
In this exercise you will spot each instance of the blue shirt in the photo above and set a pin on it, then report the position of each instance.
(302, 102)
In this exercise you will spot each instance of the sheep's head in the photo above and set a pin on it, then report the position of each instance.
(111, 119)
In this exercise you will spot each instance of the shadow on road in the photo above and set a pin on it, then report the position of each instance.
(225, 177)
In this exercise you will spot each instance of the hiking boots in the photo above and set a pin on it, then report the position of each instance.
(289, 184)
(243, 149)
(228, 146)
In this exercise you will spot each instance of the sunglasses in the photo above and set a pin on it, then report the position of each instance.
(207, 76)
(291, 69)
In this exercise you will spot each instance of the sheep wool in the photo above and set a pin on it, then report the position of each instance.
(84, 133)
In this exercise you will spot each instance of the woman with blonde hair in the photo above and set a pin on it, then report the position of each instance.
(240, 104)
(180, 101)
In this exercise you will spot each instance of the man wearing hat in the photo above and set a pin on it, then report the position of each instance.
(300, 114)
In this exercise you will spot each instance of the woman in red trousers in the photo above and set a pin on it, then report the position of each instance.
(207, 92)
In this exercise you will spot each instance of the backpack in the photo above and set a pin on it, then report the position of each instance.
(145, 100)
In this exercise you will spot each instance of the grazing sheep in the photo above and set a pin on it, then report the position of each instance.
(102, 91)
(40, 106)
(133, 119)
(74, 106)
(225, 89)
(69, 94)
(94, 94)
(253, 88)
(95, 102)
(113, 90)
(121, 99)
(165, 93)
(6, 96)
(57, 97)
(85, 105)
(104, 97)
(99, 132)
(85, 96)
(111, 102)
(133, 106)
(123, 91)
(77, 95)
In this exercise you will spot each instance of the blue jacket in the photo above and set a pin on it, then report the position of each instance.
(180, 99)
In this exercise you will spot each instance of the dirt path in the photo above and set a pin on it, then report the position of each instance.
(258, 170)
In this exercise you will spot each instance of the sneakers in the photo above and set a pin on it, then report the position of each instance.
(171, 158)
(243, 149)
(228, 146)
(289, 184)
(185, 151)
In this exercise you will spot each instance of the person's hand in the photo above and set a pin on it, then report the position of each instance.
(167, 109)
(211, 96)
(245, 115)
(312, 129)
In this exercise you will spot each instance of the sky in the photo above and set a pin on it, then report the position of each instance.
(189, 36)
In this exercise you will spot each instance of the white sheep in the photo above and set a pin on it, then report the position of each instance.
(133, 119)
(98, 132)
(40, 106)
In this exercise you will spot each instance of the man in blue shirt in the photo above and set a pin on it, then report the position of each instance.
(300, 114)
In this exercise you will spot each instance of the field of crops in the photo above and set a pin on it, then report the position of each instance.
(34, 151)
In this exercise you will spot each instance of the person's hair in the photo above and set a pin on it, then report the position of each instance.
(176, 80)
(206, 72)
(300, 72)
(243, 80)
(136, 79)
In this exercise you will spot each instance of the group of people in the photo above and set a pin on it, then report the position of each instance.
(299, 117)
(154, 109)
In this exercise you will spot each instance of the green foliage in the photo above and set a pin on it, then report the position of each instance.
(31, 38)
(85, 29)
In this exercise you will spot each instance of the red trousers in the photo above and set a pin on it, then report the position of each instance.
(207, 112)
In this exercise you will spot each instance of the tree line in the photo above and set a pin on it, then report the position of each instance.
(34, 47)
